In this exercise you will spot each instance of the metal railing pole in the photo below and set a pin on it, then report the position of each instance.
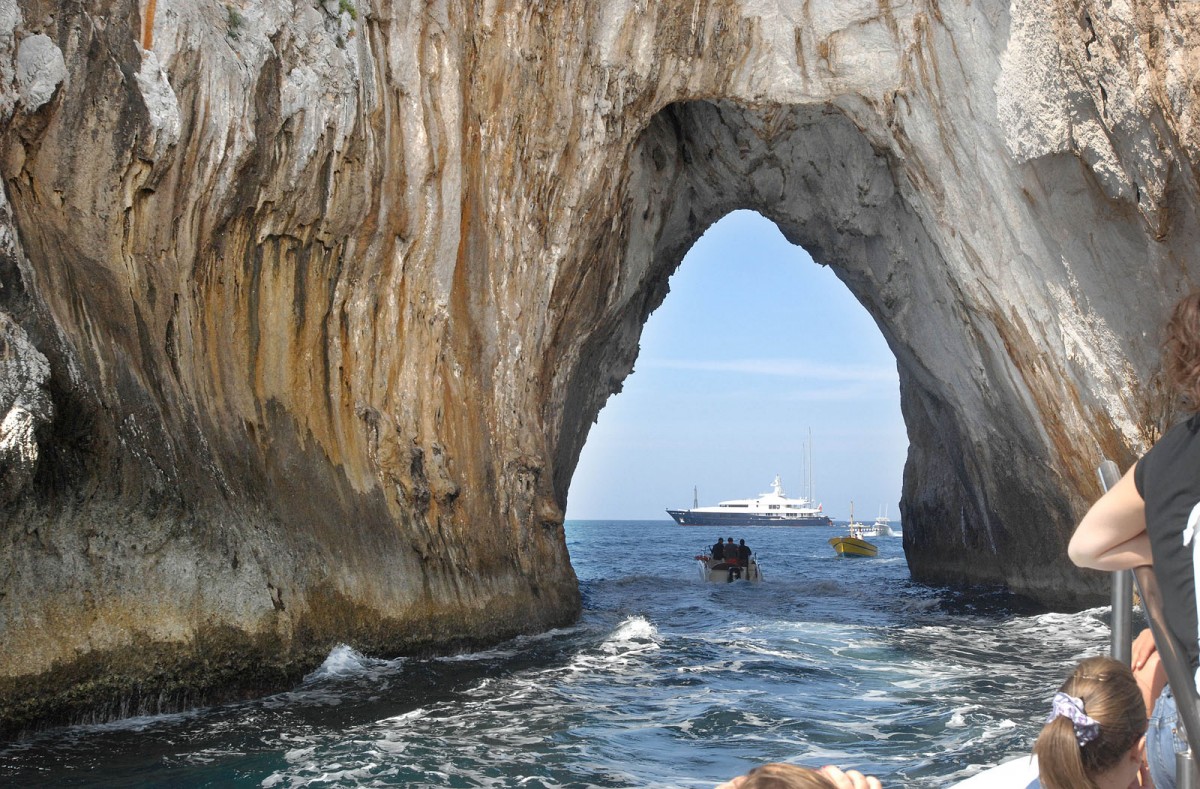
(1185, 771)
(1121, 631)
(1121, 646)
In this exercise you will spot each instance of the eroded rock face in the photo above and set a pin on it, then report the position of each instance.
(307, 308)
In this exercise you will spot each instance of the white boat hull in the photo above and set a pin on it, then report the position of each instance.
(718, 571)
(1018, 773)
(734, 520)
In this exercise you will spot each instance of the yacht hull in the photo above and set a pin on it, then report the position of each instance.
(735, 519)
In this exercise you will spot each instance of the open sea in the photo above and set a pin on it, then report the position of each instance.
(665, 681)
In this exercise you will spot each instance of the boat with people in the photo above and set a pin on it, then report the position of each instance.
(768, 509)
(853, 547)
(720, 570)
(854, 544)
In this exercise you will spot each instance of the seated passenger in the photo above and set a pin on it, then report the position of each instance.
(1095, 735)
(778, 775)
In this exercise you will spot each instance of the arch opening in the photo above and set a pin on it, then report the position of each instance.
(978, 455)
(755, 347)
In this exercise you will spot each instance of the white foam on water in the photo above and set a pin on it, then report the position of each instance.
(406, 717)
(512, 648)
(790, 656)
(296, 754)
(636, 628)
(631, 639)
(342, 661)
(913, 604)
(487, 654)
(633, 636)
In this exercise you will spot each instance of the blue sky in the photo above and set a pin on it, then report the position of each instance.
(754, 345)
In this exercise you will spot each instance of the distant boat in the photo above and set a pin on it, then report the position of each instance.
(720, 571)
(769, 509)
(853, 545)
(883, 526)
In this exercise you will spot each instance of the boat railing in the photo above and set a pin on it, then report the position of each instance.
(1172, 654)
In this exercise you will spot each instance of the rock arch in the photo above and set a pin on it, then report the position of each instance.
(1002, 440)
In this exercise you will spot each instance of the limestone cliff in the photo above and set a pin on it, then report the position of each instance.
(307, 306)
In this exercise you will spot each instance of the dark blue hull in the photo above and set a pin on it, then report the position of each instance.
(693, 518)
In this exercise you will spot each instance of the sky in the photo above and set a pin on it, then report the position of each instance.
(754, 346)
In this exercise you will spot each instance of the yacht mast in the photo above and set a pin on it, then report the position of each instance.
(808, 464)
(804, 468)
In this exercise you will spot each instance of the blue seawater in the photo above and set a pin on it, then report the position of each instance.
(665, 681)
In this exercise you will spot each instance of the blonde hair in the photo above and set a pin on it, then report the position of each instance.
(778, 775)
(1111, 697)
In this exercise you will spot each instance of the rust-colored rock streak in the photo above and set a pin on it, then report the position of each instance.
(306, 310)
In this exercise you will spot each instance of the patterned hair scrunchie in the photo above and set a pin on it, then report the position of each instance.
(1071, 708)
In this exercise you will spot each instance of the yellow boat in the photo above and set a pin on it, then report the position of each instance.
(853, 547)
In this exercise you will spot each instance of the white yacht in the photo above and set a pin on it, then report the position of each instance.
(768, 509)
(883, 526)
(880, 528)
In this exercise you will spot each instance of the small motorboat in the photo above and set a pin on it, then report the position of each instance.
(721, 571)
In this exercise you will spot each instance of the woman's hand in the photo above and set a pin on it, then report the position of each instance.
(1143, 648)
(850, 779)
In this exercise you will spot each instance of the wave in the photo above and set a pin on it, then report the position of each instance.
(343, 660)
(636, 628)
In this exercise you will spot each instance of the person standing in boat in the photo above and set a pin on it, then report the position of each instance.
(731, 560)
(1149, 518)
(718, 549)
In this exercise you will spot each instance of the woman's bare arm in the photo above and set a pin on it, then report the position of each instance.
(1112, 536)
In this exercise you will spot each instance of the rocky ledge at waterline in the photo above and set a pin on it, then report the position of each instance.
(307, 306)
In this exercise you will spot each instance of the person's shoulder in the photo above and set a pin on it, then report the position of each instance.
(1180, 437)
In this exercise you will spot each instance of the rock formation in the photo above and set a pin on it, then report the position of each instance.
(307, 307)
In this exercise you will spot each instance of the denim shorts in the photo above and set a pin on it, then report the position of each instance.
(1164, 738)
